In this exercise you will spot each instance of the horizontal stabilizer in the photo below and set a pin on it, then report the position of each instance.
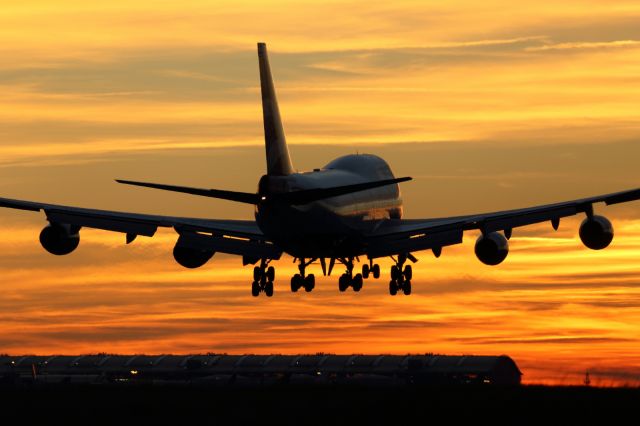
(241, 197)
(303, 196)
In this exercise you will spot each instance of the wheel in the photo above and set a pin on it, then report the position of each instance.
(394, 272)
(357, 283)
(406, 288)
(365, 271)
(309, 282)
(343, 282)
(268, 289)
(408, 272)
(295, 283)
(255, 289)
(257, 273)
(393, 288)
(376, 271)
(271, 273)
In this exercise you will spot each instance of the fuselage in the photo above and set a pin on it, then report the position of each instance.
(331, 227)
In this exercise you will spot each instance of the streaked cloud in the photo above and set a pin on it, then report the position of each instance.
(585, 45)
(488, 106)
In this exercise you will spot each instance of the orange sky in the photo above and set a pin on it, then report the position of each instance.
(488, 106)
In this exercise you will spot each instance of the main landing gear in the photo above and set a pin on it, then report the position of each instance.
(400, 278)
(263, 277)
(301, 280)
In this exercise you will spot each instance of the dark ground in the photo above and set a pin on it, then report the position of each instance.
(330, 405)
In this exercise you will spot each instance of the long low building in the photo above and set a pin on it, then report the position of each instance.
(260, 370)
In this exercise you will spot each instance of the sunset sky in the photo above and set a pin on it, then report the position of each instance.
(488, 105)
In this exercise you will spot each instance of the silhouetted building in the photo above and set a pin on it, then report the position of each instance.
(261, 370)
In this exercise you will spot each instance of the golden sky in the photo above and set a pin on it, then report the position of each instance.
(489, 106)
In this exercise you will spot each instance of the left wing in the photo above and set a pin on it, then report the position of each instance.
(240, 237)
(398, 236)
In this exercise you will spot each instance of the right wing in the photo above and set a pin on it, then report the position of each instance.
(239, 237)
(398, 236)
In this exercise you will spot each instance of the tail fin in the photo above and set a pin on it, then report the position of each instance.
(278, 160)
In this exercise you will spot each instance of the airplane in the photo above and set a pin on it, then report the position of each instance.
(348, 209)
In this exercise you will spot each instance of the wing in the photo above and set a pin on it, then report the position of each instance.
(396, 236)
(240, 237)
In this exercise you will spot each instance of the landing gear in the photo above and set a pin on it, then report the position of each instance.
(370, 268)
(263, 279)
(400, 278)
(299, 281)
(347, 279)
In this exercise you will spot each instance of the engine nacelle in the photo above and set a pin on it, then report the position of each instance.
(191, 257)
(596, 232)
(492, 249)
(59, 239)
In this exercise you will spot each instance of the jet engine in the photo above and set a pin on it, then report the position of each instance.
(596, 232)
(492, 248)
(60, 239)
(191, 257)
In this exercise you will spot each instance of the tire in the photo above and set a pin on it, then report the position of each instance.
(309, 282)
(408, 272)
(365, 271)
(357, 283)
(295, 285)
(393, 288)
(343, 283)
(257, 273)
(376, 271)
(255, 289)
(271, 273)
(268, 289)
(394, 273)
(406, 288)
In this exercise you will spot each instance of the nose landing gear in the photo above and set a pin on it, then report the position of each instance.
(370, 268)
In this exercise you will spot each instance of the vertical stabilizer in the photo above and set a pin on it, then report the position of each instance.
(278, 160)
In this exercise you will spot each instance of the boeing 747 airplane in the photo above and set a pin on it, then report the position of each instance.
(348, 210)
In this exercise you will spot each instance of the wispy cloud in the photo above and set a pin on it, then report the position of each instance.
(585, 45)
(481, 102)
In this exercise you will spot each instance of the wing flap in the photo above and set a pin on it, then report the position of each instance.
(229, 245)
(388, 247)
(524, 219)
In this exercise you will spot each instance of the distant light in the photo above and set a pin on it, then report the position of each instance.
(134, 372)
(263, 198)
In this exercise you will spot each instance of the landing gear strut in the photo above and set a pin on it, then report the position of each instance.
(400, 278)
(348, 279)
(263, 277)
(301, 280)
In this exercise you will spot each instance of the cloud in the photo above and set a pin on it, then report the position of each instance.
(585, 45)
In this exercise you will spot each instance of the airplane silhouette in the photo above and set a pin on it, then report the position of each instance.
(348, 209)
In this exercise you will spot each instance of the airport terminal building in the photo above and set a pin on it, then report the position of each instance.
(261, 370)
